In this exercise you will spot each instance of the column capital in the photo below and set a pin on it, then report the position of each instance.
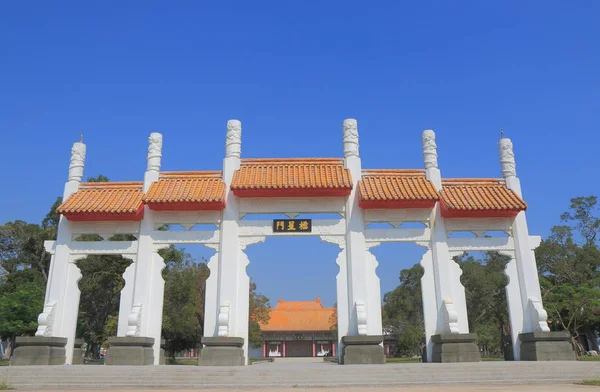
(154, 151)
(77, 161)
(233, 139)
(350, 132)
(507, 158)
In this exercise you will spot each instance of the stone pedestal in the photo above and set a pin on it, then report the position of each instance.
(222, 351)
(362, 350)
(130, 351)
(547, 346)
(78, 352)
(455, 347)
(33, 350)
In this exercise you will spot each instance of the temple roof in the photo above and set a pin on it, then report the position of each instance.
(114, 201)
(292, 177)
(399, 188)
(300, 317)
(289, 177)
(466, 197)
(181, 191)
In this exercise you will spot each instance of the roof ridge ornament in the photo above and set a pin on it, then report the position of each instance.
(233, 139)
(154, 151)
(77, 162)
(350, 129)
(507, 158)
(429, 149)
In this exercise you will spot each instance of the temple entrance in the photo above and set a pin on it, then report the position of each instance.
(303, 318)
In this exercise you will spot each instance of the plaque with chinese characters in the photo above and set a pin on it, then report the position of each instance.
(292, 225)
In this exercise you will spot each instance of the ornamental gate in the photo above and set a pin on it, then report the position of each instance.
(291, 186)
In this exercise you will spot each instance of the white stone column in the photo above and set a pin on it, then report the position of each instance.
(364, 295)
(228, 287)
(430, 310)
(145, 315)
(61, 303)
(449, 293)
(126, 300)
(515, 306)
(535, 317)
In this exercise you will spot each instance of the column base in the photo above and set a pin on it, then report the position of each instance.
(222, 351)
(547, 346)
(78, 352)
(455, 347)
(34, 350)
(362, 350)
(130, 351)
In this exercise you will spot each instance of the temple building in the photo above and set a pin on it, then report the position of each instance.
(300, 329)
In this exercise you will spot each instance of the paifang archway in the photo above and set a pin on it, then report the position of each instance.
(293, 186)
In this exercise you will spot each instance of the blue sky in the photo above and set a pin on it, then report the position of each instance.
(291, 72)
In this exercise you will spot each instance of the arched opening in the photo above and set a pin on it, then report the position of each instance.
(100, 289)
(400, 276)
(185, 276)
(294, 277)
(485, 291)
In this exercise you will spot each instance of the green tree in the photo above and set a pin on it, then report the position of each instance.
(19, 310)
(183, 306)
(402, 314)
(569, 267)
(260, 313)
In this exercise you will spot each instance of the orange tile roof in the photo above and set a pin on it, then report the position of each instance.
(196, 190)
(479, 197)
(300, 317)
(106, 201)
(302, 177)
(396, 189)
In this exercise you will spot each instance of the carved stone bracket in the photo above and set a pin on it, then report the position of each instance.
(539, 315)
(223, 320)
(134, 321)
(338, 240)
(372, 244)
(361, 318)
(451, 316)
(46, 319)
(251, 240)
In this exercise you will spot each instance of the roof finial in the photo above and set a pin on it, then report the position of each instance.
(501, 133)
(81, 138)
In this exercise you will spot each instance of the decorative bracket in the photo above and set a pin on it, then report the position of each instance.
(134, 321)
(539, 315)
(223, 320)
(46, 319)
(338, 240)
(361, 318)
(245, 241)
(451, 316)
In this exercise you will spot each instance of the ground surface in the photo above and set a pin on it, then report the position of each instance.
(439, 388)
(299, 376)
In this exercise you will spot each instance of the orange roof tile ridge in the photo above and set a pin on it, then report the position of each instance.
(473, 181)
(392, 172)
(193, 173)
(116, 184)
(295, 161)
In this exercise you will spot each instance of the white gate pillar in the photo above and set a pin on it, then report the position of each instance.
(126, 300)
(364, 294)
(450, 302)
(535, 317)
(144, 317)
(515, 306)
(228, 286)
(61, 303)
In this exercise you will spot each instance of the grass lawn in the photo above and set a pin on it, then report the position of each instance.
(492, 359)
(589, 382)
(590, 358)
(402, 360)
(4, 363)
(192, 362)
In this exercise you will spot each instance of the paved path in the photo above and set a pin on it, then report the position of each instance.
(461, 388)
(497, 376)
